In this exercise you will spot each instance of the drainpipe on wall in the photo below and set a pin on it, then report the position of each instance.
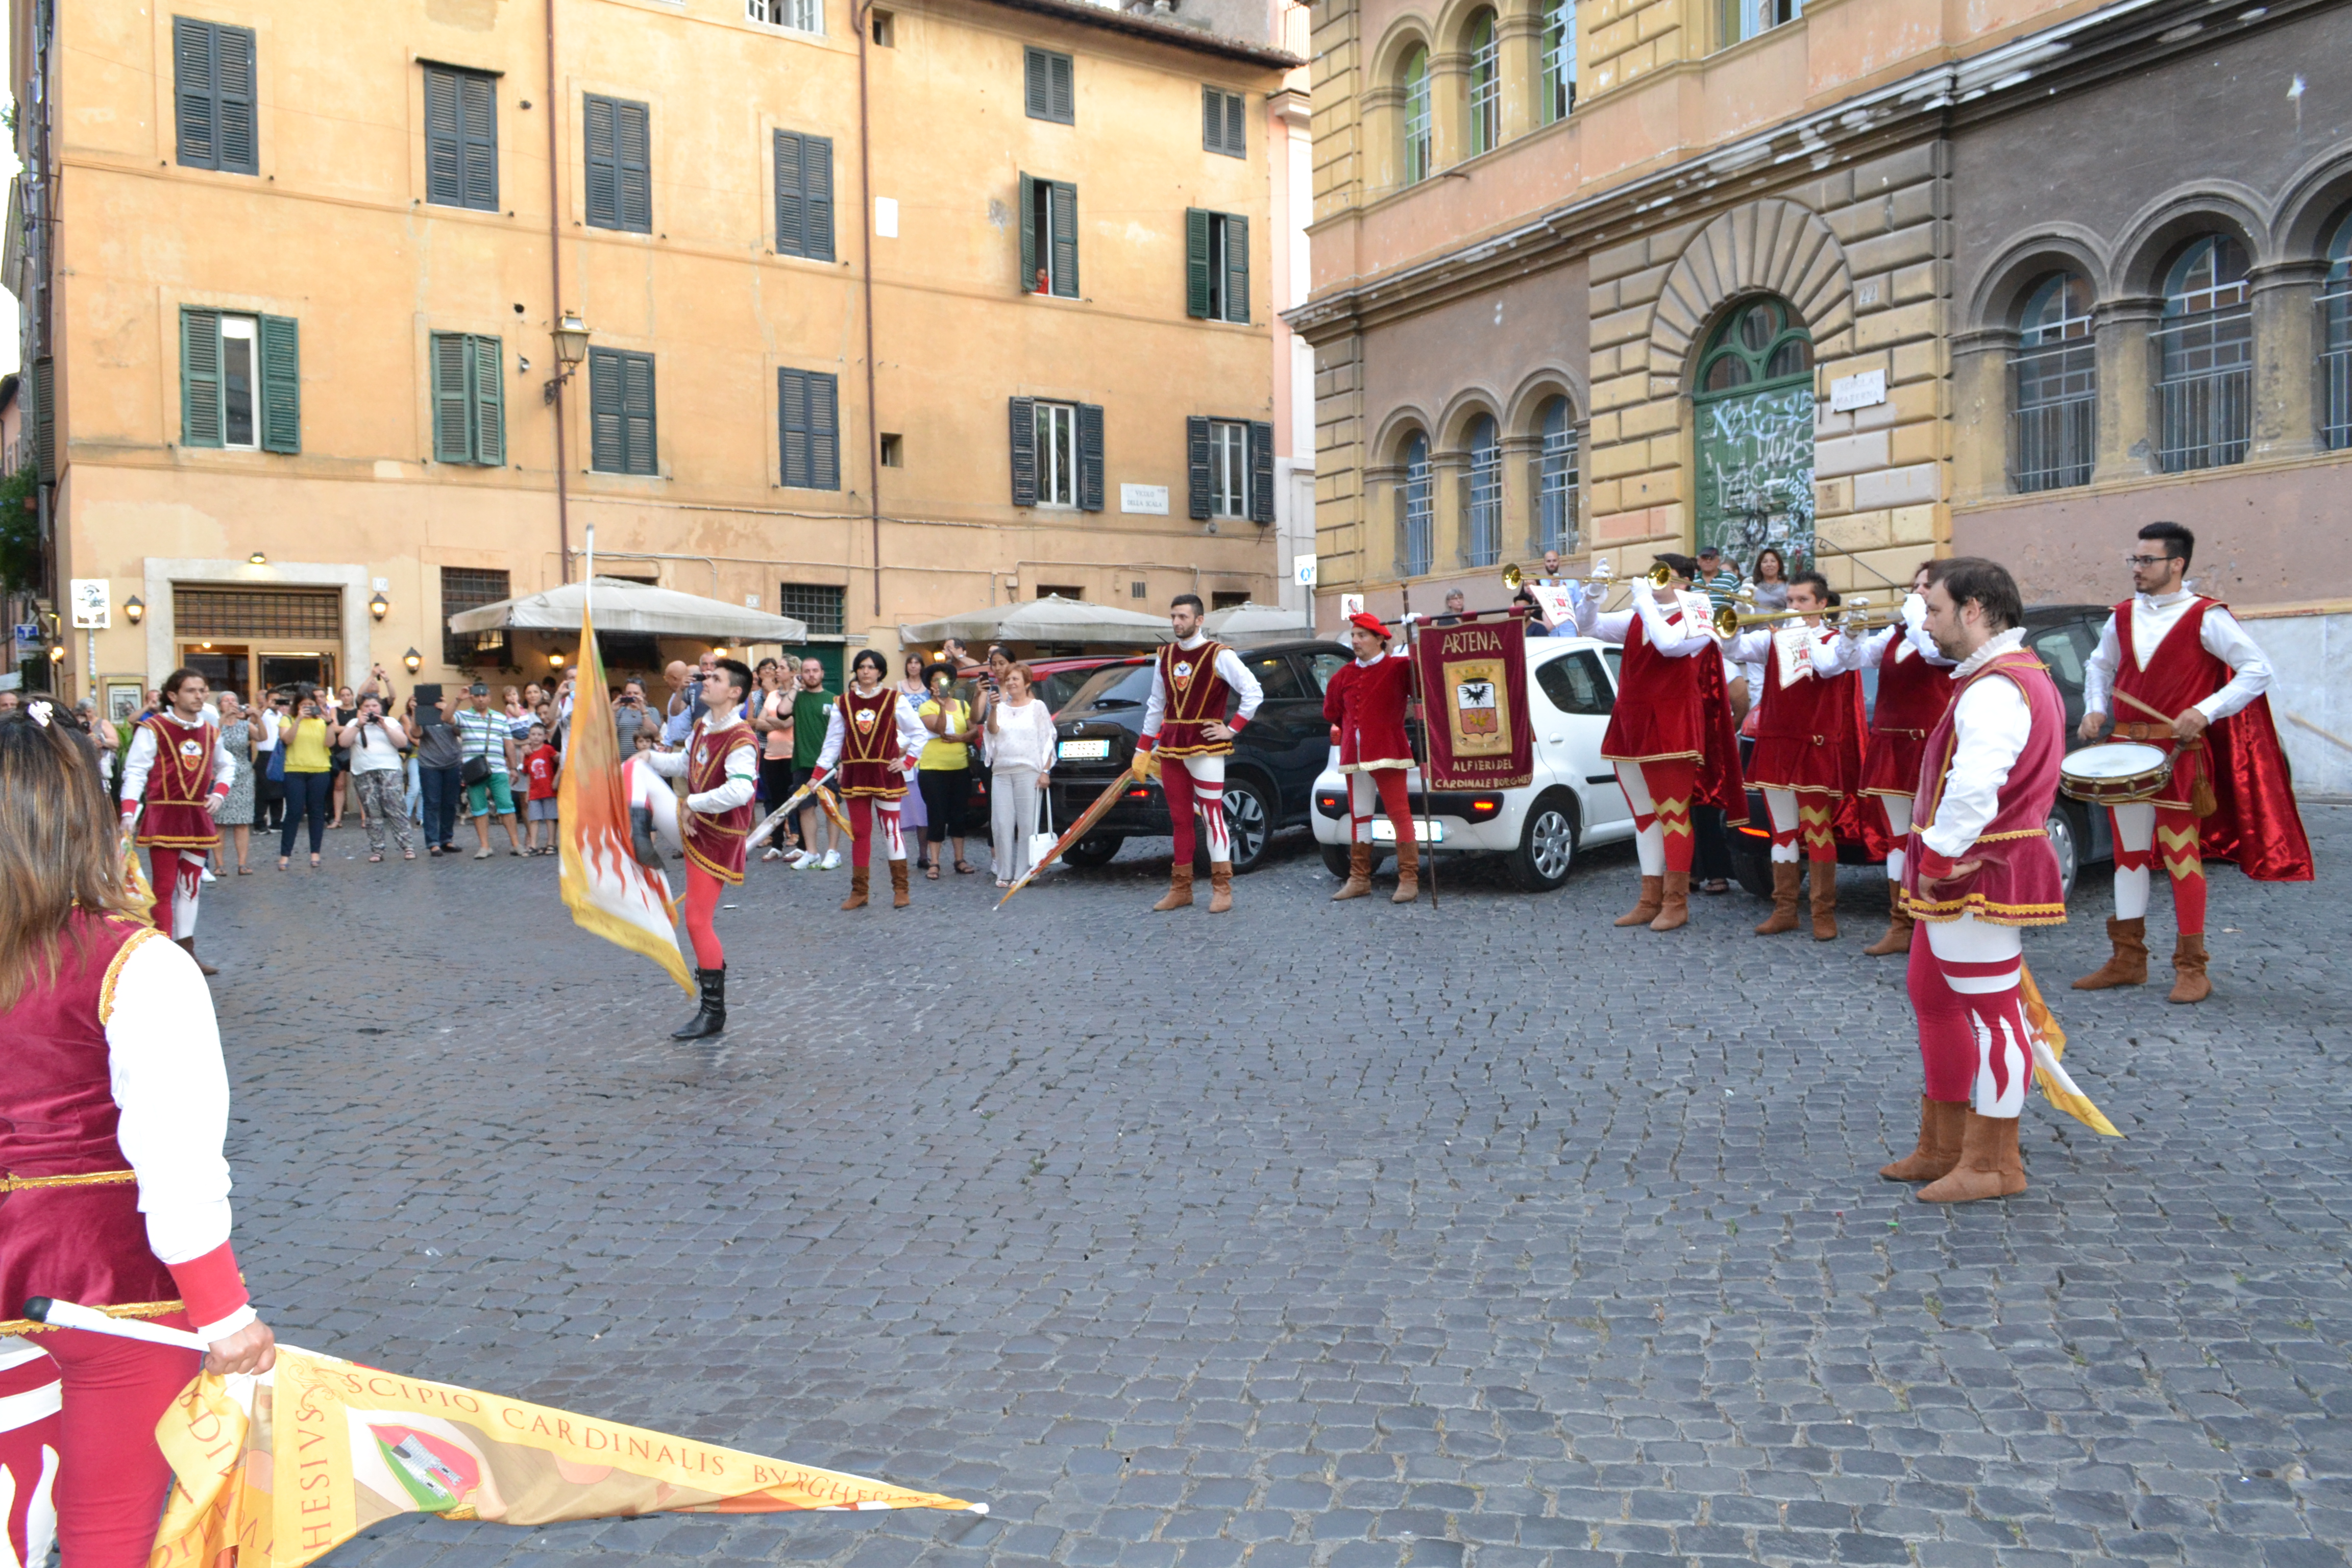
(555, 298)
(863, 12)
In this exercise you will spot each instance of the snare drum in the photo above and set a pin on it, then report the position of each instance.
(2114, 773)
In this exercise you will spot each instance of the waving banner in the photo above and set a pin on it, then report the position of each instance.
(278, 1470)
(1474, 690)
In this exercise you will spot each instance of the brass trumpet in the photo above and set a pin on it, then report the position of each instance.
(1512, 578)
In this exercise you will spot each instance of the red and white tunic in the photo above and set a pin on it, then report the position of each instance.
(2173, 651)
(113, 1114)
(1985, 791)
(1660, 714)
(721, 766)
(173, 769)
(1808, 717)
(1365, 705)
(1190, 682)
(1915, 687)
(862, 733)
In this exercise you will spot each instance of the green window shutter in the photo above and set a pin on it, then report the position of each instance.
(200, 378)
(607, 454)
(1061, 86)
(1196, 263)
(1024, 451)
(1213, 120)
(602, 165)
(444, 140)
(478, 99)
(490, 401)
(1090, 457)
(1261, 460)
(633, 125)
(452, 406)
(792, 427)
(281, 385)
(1035, 94)
(233, 75)
(1048, 86)
(1236, 125)
(1027, 220)
(1196, 464)
(825, 431)
(1237, 282)
(45, 419)
(637, 412)
(792, 224)
(817, 188)
(196, 99)
(1062, 200)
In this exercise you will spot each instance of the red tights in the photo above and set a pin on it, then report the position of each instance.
(861, 830)
(111, 1477)
(702, 890)
(1396, 804)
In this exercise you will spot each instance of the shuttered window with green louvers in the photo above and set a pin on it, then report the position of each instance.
(461, 138)
(1049, 237)
(619, 164)
(804, 195)
(1216, 266)
(1224, 122)
(240, 381)
(621, 412)
(469, 416)
(808, 415)
(213, 96)
(1049, 87)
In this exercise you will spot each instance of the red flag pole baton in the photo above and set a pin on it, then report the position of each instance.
(1421, 751)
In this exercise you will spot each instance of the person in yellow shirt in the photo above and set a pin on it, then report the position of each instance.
(309, 773)
(944, 771)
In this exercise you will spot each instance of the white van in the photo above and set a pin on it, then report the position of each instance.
(1574, 800)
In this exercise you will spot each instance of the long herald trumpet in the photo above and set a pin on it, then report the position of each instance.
(1855, 615)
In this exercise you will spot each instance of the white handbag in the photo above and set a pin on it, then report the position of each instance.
(1041, 843)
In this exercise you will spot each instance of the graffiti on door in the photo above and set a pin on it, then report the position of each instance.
(1756, 473)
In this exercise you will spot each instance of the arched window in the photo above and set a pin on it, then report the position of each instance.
(2205, 358)
(1556, 480)
(2336, 337)
(1481, 495)
(1415, 80)
(1413, 510)
(1758, 343)
(1557, 91)
(2056, 376)
(1485, 86)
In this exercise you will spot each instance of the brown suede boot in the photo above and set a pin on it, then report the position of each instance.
(1989, 1167)
(1360, 874)
(1221, 886)
(1179, 889)
(1941, 1123)
(2127, 965)
(2189, 981)
(1408, 871)
(1899, 933)
(1674, 911)
(856, 899)
(188, 944)
(1653, 900)
(898, 898)
(1824, 880)
(1783, 917)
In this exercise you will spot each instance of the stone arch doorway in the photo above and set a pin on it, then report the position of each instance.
(1752, 397)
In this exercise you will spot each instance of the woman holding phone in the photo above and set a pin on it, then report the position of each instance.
(309, 743)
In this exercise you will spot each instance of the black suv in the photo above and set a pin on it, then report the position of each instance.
(1269, 778)
(2064, 636)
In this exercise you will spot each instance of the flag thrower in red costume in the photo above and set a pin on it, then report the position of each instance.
(175, 779)
(721, 765)
(1808, 755)
(1980, 870)
(1185, 725)
(875, 738)
(2176, 672)
(1365, 705)
(1670, 734)
(1915, 687)
(113, 1114)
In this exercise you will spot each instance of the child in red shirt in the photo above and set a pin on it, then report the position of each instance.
(539, 767)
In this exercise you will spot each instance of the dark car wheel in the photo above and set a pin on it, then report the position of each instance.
(2067, 837)
(1094, 849)
(1335, 859)
(1753, 867)
(1249, 823)
(1546, 845)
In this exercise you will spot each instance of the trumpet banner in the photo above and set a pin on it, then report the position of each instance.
(281, 1469)
(609, 892)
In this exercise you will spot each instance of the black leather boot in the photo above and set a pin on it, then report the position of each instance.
(711, 1017)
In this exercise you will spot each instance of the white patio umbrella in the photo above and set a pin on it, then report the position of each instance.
(1237, 622)
(1052, 619)
(626, 607)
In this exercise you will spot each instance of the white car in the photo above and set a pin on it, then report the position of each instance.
(1574, 800)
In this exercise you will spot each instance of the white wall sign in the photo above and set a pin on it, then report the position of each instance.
(1848, 392)
(93, 604)
(1146, 500)
(1350, 605)
(885, 217)
(1302, 571)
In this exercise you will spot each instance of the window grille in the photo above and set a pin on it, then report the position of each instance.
(819, 604)
(2205, 356)
(467, 588)
(1413, 512)
(310, 615)
(1482, 494)
(1416, 118)
(1486, 88)
(2055, 412)
(1556, 481)
(1558, 89)
(2335, 336)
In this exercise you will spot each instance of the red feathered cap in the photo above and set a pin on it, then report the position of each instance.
(1371, 623)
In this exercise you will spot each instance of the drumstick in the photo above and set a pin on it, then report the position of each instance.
(2150, 712)
(2337, 739)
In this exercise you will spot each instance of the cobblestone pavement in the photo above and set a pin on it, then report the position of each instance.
(1314, 1236)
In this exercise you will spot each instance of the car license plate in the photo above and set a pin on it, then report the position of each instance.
(1384, 832)
(1084, 750)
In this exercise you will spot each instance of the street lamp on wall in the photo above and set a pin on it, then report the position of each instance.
(570, 336)
(379, 606)
(256, 559)
(413, 660)
(136, 608)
